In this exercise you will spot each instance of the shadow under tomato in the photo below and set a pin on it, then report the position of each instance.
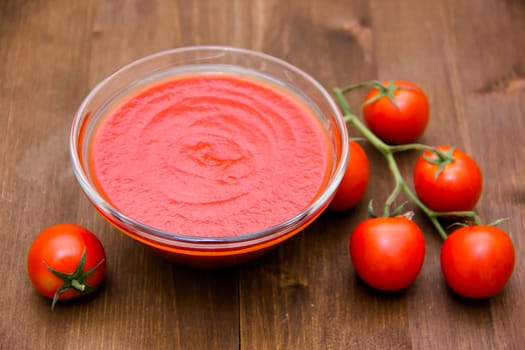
(364, 289)
(79, 301)
(470, 303)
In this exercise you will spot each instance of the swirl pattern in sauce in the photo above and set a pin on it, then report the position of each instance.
(210, 155)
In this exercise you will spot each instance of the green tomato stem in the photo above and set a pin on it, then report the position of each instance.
(388, 152)
(398, 183)
(77, 285)
(366, 84)
(411, 146)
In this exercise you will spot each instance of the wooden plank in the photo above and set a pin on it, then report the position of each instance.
(491, 75)
(37, 98)
(305, 295)
(185, 309)
(58, 51)
(452, 49)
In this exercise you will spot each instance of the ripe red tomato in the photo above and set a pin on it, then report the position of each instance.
(355, 180)
(477, 261)
(387, 252)
(457, 187)
(400, 123)
(66, 261)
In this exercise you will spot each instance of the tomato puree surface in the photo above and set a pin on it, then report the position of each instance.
(210, 155)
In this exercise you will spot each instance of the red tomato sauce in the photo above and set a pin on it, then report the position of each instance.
(210, 155)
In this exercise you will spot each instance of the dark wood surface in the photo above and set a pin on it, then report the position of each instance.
(469, 56)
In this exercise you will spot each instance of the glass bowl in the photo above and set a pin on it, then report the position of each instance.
(192, 249)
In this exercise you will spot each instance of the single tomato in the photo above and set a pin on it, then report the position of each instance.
(477, 261)
(66, 261)
(387, 252)
(447, 185)
(397, 112)
(355, 180)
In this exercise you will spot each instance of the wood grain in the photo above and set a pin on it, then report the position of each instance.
(468, 56)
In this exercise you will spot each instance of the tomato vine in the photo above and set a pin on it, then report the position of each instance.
(388, 151)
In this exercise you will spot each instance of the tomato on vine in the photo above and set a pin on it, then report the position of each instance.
(477, 261)
(397, 111)
(355, 180)
(387, 252)
(66, 261)
(447, 181)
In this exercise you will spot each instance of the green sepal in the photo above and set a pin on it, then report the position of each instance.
(384, 91)
(371, 212)
(458, 224)
(442, 160)
(498, 222)
(75, 280)
(399, 210)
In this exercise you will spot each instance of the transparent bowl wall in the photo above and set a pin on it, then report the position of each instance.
(203, 251)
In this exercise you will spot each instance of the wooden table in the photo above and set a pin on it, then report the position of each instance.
(469, 56)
